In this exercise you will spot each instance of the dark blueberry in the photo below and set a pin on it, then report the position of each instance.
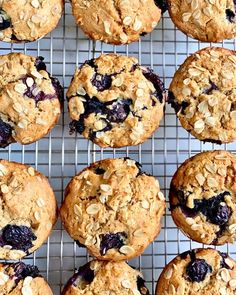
(220, 215)
(5, 20)
(212, 208)
(127, 158)
(141, 286)
(5, 134)
(112, 241)
(86, 273)
(223, 264)
(143, 34)
(118, 110)
(19, 237)
(182, 196)
(162, 4)
(80, 245)
(40, 64)
(38, 95)
(178, 107)
(22, 271)
(134, 67)
(211, 88)
(230, 15)
(15, 39)
(157, 83)
(99, 171)
(197, 270)
(90, 62)
(41, 96)
(215, 141)
(83, 277)
(58, 88)
(188, 212)
(190, 253)
(233, 106)
(1, 242)
(214, 211)
(139, 166)
(77, 126)
(101, 82)
(93, 105)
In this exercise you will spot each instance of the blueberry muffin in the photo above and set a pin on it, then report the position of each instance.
(103, 278)
(207, 21)
(117, 22)
(202, 197)
(21, 279)
(203, 94)
(113, 208)
(115, 102)
(200, 271)
(28, 20)
(28, 210)
(29, 99)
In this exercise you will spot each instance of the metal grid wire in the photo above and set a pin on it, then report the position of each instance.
(60, 156)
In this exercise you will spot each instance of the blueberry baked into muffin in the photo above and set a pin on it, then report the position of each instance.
(200, 271)
(117, 22)
(101, 277)
(28, 20)
(29, 99)
(21, 279)
(203, 94)
(207, 21)
(115, 102)
(113, 208)
(202, 197)
(28, 210)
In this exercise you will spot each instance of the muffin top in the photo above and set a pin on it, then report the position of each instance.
(113, 208)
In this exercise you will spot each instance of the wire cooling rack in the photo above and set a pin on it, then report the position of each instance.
(60, 155)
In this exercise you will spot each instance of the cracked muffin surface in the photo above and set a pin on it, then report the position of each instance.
(21, 279)
(28, 20)
(28, 210)
(202, 197)
(113, 208)
(103, 278)
(115, 102)
(207, 21)
(203, 94)
(199, 271)
(29, 99)
(117, 22)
